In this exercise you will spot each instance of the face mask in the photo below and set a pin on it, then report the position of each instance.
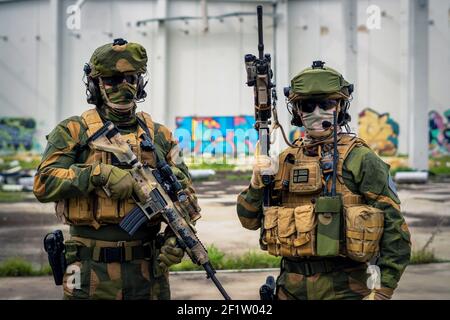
(313, 122)
(120, 97)
(119, 117)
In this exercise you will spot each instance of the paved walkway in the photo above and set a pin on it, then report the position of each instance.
(420, 282)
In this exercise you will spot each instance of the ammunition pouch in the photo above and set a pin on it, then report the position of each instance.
(111, 210)
(318, 230)
(363, 231)
(290, 232)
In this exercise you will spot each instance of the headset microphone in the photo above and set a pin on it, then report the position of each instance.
(326, 124)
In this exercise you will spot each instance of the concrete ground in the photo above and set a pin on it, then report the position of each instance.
(420, 282)
(426, 208)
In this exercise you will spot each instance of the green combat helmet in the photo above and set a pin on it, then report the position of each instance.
(116, 60)
(319, 82)
(118, 57)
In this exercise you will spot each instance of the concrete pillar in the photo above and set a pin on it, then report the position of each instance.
(281, 64)
(57, 26)
(349, 14)
(418, 85)
(158, 72)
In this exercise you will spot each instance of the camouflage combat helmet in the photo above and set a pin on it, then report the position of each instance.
(318, 82)
(118, 57)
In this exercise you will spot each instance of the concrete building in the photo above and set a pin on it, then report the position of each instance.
(397, 53)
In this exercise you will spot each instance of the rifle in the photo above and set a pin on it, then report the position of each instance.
(164, 196)
(259, 75)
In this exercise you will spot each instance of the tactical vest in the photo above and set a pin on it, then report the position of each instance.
(97, 209)
(290, 229)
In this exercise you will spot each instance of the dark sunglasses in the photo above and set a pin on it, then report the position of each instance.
(309, 106)
(116, 80)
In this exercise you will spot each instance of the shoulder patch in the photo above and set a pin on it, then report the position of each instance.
(392, 185)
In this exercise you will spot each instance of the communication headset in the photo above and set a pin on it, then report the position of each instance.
(343, 117)
(140, 93)
(93, 95)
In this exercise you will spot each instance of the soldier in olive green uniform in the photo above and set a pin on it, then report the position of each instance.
(326, 241)
(104, 262)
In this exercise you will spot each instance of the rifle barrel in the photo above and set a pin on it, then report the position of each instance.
(211, 274)
(259, 12)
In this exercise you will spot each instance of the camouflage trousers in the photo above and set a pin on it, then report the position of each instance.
(132, 280)
(344, 284)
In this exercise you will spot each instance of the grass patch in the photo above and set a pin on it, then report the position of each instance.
(8, 197)
(27, 162)
(400, 169)
(254, 260)
(213, 166)
(424, 256)
(222, 261)
(238, 177)
(440, 171)
(439, 167)
(19, 267)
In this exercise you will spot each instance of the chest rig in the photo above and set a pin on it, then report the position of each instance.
(301, 223)
(303, 177)
(97, 209)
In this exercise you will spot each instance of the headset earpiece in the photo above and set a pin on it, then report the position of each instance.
(296, 119)
(141, 94)
(93, 95)
(344, 117)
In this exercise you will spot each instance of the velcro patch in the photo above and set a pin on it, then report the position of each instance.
(300, 176)
(392, 186)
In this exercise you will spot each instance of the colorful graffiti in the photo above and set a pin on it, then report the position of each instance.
(17, 133)
(439, 134)
(216, 135)
(380, 131)
(296, 133)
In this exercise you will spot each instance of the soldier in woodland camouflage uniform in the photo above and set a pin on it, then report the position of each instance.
(317, 262)
(113, 264)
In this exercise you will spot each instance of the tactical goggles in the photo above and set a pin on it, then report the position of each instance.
(116, 80)
(310, 105)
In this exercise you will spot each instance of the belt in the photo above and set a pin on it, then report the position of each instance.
(312, 267)
(114, 251)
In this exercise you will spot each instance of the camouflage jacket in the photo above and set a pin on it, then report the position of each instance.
(366, 174)
(63, 172)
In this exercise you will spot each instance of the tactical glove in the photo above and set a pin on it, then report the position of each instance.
(119, 183)
(262, 165)
(170, 254)
(181, 177)
(380, 294)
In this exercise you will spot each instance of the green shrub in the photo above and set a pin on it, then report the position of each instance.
(19, 267)
(7, 197)
(423, 256)
(222, 261)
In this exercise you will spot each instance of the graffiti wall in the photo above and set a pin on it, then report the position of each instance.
(235, 135)
(380, 131)
(439, 134)
(17, 134)
(216, 135)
